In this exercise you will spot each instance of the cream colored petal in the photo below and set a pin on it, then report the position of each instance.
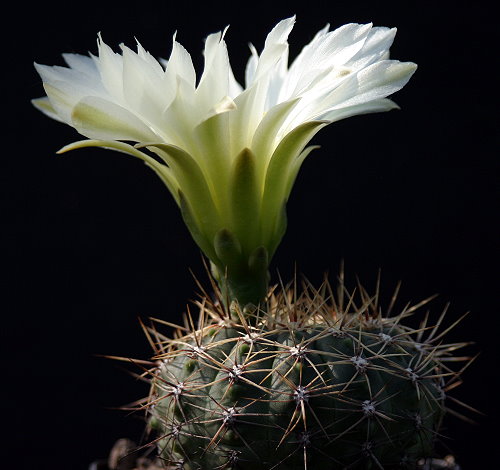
(62, 97)
(182, 116)
(275, 45)
(73, 77)
(44, 105)
(193, 184)
(110, 66)
(244, 120)
(276, 186)
(376, 47)
(65, 87)
(215, 81)
(326, 52)
(82, 64)
(97, 118)
(377, 81)
(180, 65)
(251, 66)
(146, 91)
(153, 65)
(268, 134)
(161, 170)
(374, 106)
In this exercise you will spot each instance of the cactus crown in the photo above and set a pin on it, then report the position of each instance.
(317, 380)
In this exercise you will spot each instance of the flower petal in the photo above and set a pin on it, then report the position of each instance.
(374, 82)
(98, 118)
(376, 46)
(162, 171)
(374, 106)
(44, 105)
(180, 65)
(212, 138)
(145, 90)
(193, 184)
(82, 64)
(278, 172)
(217, 80)
(325, 52)
(268, 134)
(276, 44)
(244, 194)
(110, 66)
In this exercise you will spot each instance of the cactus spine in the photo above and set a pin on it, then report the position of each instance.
(320, 381)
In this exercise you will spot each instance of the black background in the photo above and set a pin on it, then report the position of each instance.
(93, 240)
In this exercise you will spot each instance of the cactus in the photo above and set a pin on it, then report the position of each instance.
(318, 382)
(268, 379)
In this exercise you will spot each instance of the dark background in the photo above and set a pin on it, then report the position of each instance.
(93, 240)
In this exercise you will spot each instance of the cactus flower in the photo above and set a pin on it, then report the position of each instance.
(228, 154)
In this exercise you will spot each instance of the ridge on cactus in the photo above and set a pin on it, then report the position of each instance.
(319, 380)
(228, 154)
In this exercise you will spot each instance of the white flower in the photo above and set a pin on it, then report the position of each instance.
(229, 155)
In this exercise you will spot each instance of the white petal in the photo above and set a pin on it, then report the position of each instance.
(145, 89)
(251, 66)
(161, 170)
(214, 82)
(250, 109)
(324, 53)
(82, 64)
(376, 47)
(74, 77)
(374, 82)
(61, 101)
(279, 34)
(44, 105)
(377, 81)
(110, 66)
(375, 106)
(181, 116)
(154, 65)
(97, 118)
(275, 46)
(180, 65)
(65, 87)
(338, 46)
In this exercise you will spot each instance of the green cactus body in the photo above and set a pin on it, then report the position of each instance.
(309, 387)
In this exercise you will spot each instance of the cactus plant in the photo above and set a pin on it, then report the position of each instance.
(269, 379)
(321, 381)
